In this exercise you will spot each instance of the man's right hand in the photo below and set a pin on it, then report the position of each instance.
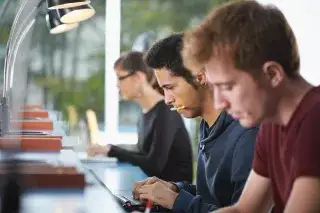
(95, 149)
(137, 185)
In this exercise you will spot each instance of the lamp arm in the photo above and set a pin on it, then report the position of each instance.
(5, 110)
(11, 53)
(12, 48)
(11, 43)
(15, 50)
(4, 92)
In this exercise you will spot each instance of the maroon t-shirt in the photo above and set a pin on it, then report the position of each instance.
(284, 153)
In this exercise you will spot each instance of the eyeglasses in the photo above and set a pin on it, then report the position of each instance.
(120, 78)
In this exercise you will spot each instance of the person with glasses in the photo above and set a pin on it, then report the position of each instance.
(164, 147)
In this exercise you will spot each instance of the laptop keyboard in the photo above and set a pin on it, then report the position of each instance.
(131, 199)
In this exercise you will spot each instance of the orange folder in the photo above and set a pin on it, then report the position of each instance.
(31, 143)
(33, 106)
(34, 114)
(32, 124)
(45, 175)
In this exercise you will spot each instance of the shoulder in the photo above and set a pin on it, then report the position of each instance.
(243, 151)
(249, 132)
(309, 109)
(241, 139)
(244, 140)
(313, 114)
(247, 137)
(308, 122)
(267, 131)
(308, 126)
(306, 144)
(245, 133)
(164, 108)
(166, 116)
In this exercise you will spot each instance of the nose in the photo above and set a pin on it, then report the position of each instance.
(168, 98)
(220, 102)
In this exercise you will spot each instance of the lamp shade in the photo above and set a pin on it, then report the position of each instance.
(76, 14)
(60, 4)
(55, 25)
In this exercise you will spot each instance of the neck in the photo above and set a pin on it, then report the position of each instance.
(148, 99)
(292, 94)
(209, 113)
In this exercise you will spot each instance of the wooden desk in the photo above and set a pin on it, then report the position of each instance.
(118, 177)
(93, 199)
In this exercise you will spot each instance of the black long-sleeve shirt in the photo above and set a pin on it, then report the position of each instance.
(163, 148)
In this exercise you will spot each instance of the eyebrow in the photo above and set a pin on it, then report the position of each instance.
(222, 83)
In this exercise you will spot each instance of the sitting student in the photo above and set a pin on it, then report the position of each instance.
(164, 147)
(225, 147)
(250, 55)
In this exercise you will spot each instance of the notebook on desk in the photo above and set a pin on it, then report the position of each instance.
(28, 132)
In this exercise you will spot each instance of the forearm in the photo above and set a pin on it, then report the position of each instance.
(129, 147)
(186, 186)
(126, 155)
(188, 203)
(149, 164)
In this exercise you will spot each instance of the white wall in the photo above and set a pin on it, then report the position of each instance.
(112, 50)
(304, 18)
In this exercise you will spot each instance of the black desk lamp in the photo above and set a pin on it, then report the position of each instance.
(58, 21)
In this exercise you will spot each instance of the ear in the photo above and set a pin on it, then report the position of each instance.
(273, 73)
(201, 78)
(140, 75)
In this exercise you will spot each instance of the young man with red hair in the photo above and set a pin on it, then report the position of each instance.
(251, 59)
